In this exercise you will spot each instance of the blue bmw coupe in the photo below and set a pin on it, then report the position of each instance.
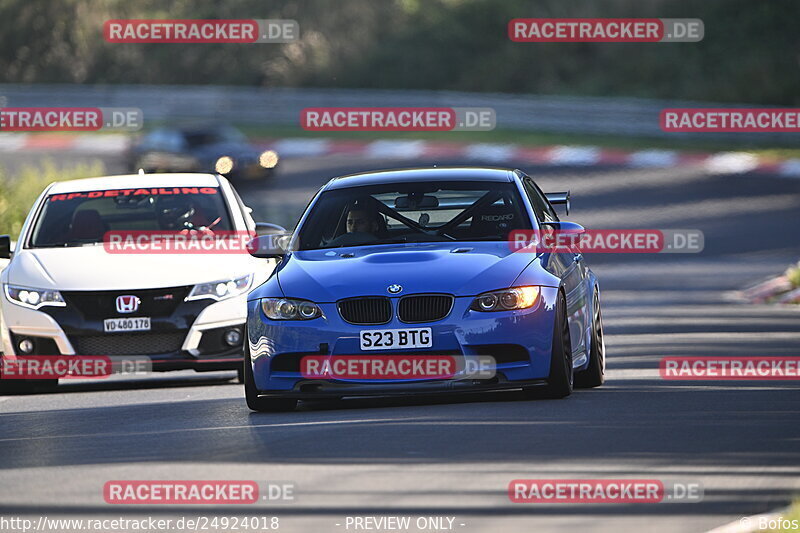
(419, 262)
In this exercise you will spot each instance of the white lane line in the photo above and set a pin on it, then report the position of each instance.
(167, 431)
(110, 143)
(288, 424)
(731, 163)
(489, 151)
(12, 142)
(395, 149)
(790, 168)
(574, 155)
(653, 158)
(300, 147)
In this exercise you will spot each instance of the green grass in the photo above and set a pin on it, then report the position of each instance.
(19, 192)
(793, 275)
(793, 514)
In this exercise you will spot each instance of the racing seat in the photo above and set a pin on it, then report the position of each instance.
(87, 225)
(493, 221)
(383, 228)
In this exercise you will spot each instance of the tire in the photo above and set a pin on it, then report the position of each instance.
(254, 402)
(26, 386)
(595, 373)
(561, 379)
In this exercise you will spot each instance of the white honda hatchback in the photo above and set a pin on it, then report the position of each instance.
(67, 292)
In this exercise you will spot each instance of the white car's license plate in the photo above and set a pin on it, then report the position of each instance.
(393, 339)
(139, 323)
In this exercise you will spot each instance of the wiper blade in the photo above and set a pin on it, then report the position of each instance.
(80, 244)
(397, 240)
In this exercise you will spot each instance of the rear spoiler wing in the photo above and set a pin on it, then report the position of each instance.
(556, 198)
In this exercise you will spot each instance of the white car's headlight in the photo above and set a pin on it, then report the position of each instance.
(224, 164)
(268, 159)
(34, 298)
(289, 309)
(222, 289)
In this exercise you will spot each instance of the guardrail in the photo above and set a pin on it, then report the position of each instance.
(282, 106)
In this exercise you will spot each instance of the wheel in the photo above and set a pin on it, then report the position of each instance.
(560, 380)
(595, 373)
(240, 375)
(254, 402)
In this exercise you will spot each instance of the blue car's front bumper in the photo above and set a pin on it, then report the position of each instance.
(520, 341)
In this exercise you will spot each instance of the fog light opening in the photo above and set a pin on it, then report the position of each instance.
(25, 346)
(233, 337)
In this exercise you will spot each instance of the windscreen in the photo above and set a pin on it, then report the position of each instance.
(80, 218)
(414, 212)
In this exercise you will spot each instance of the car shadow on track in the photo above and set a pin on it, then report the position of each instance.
(66, 386)
(375, 402)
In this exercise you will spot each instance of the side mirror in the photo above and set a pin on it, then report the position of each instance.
(272, 246)
(265, 228)
(566, 227)
(5, 247)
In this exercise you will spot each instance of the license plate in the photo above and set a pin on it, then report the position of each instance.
(139, 323)
(388, 339)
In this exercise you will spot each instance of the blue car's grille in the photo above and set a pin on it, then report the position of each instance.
(424, 307)
(366, 311)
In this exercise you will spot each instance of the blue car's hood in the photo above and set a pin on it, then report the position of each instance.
(326, 276)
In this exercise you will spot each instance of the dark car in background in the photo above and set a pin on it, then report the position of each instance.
(214, 148)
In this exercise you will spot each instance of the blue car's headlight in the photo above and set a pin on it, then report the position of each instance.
(222, 289)
(34, 298)
(289, 309)
(506, 299)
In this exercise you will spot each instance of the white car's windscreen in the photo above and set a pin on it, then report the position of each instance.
(78, 218)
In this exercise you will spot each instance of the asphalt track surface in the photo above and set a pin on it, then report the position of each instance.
(455, 456)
